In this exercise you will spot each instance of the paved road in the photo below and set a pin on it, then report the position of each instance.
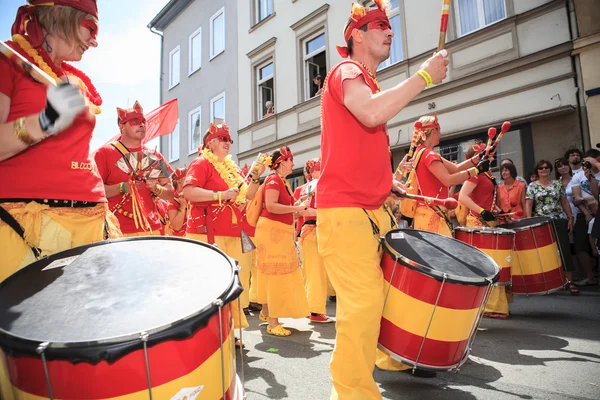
(549, 349)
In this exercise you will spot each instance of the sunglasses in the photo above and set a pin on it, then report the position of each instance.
(544, 167)
(224, 139)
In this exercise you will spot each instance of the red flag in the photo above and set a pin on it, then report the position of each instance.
(160, 121)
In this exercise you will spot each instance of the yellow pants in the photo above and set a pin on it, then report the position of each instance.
(428, 220)
(314, 270)
(253, 292)
(247, 262)
(232, 246)
(352, 256)
(52, 229)
(497, 303)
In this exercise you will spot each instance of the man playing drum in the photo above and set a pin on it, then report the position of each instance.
(134, 175)
(350, 212)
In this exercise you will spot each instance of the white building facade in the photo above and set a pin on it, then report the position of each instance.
(509, 60)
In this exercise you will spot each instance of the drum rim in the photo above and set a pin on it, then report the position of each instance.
(424, 366)
(480, 230)
(547, 220)
(6, 336)
(436, 274)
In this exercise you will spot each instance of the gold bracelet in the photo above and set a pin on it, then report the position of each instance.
(215, 195)
(161, 189)
(425, 75)
(21, 132)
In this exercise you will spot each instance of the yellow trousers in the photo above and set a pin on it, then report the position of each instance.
(253, 292)
(352, 256)
(497, 302)
(314, 270)
(428, 220)
(232, 246)
(51, 229)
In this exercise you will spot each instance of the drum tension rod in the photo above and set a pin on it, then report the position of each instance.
(40, 350)
(219, 303)
(144, 338)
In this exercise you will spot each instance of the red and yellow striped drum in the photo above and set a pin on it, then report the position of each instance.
(436, 290)
(495, 242)
(537, 265)
(129, 319)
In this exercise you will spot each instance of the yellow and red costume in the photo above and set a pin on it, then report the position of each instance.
(137, 211)
(350, 219)
(218, 222)
(52, 189)
(280, 282)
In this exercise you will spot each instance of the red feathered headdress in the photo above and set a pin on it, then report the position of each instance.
(360, 17)
(215, 132)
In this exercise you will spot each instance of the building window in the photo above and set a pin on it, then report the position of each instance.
(174, 144)
(396, 54)
(476, 14)
(174, 67)
(265, 90)
(217, 33)
(314, 59)
(195, 129)
(195, 45)
(263, 8)
(217, 109)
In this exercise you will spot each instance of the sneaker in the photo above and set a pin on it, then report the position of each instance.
(320, 319)
(254, 307)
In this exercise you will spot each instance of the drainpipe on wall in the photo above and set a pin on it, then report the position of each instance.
(160, 77)
(581, 111)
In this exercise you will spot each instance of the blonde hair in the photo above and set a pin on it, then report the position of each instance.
(425, 133)
(63, 21)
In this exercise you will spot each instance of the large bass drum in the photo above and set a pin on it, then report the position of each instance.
(436, 289)
(146, 317)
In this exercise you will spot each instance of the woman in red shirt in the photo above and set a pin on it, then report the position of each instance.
(49, 185)
(511, 192)
(280, 282)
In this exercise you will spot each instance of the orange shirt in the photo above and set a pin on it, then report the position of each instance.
(275, 182)
(509, 200)
(59, 167)
(483, 195)
(356, 169)
(429, 185)
(224, 220)
(107, 158)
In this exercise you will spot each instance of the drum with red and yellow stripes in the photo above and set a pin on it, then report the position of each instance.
(121, 320)
(495, 242)
(537, 264)
(436, 288)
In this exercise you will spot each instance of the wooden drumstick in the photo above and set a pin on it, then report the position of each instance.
(450, 203)
(32, 69)
(444, 24)
(516, 214)
(505, 128)
(491, 135)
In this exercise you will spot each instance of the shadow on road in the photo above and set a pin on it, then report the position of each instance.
(275, 389)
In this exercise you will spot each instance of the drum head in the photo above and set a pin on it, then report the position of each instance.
(109, 292)
(485, 230)
(526, 223)
(436, 255)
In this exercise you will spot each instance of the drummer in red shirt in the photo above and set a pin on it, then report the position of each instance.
(51, 196)
(134, 175)
(177, 207)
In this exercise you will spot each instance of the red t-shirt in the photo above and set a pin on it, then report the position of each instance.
(107, 158)
(225, 220)
(429, 185)
(275, 182)
(483, 194)
(174, 205)
(356, 169)
(59, 167)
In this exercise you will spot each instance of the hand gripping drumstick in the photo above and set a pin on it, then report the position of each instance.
(444, 25)
(491, 135)
(505, 128)
(516, 214)
(450, 203)
(32, 69)
(413, 143)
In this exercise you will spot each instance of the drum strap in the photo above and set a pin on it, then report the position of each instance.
(14, 224)
(376, 230)
(393, 222)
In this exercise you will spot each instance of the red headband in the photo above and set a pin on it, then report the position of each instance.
(216, 132)
(26, 22)
(130, 114)
(285, 154)
(361, 17)
(178, 173)
(312, 166)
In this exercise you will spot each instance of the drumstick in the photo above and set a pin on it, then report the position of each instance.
(450, 203)
(505, 128)
(32, 69)
(444, 25)
(516, 214)
(491, 134)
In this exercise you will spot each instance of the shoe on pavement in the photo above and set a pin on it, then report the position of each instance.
(320, 319)
(254, 307)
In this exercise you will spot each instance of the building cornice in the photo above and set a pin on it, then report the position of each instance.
(585, 43)
(261, 47)
(168, 13)
(310, 17)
